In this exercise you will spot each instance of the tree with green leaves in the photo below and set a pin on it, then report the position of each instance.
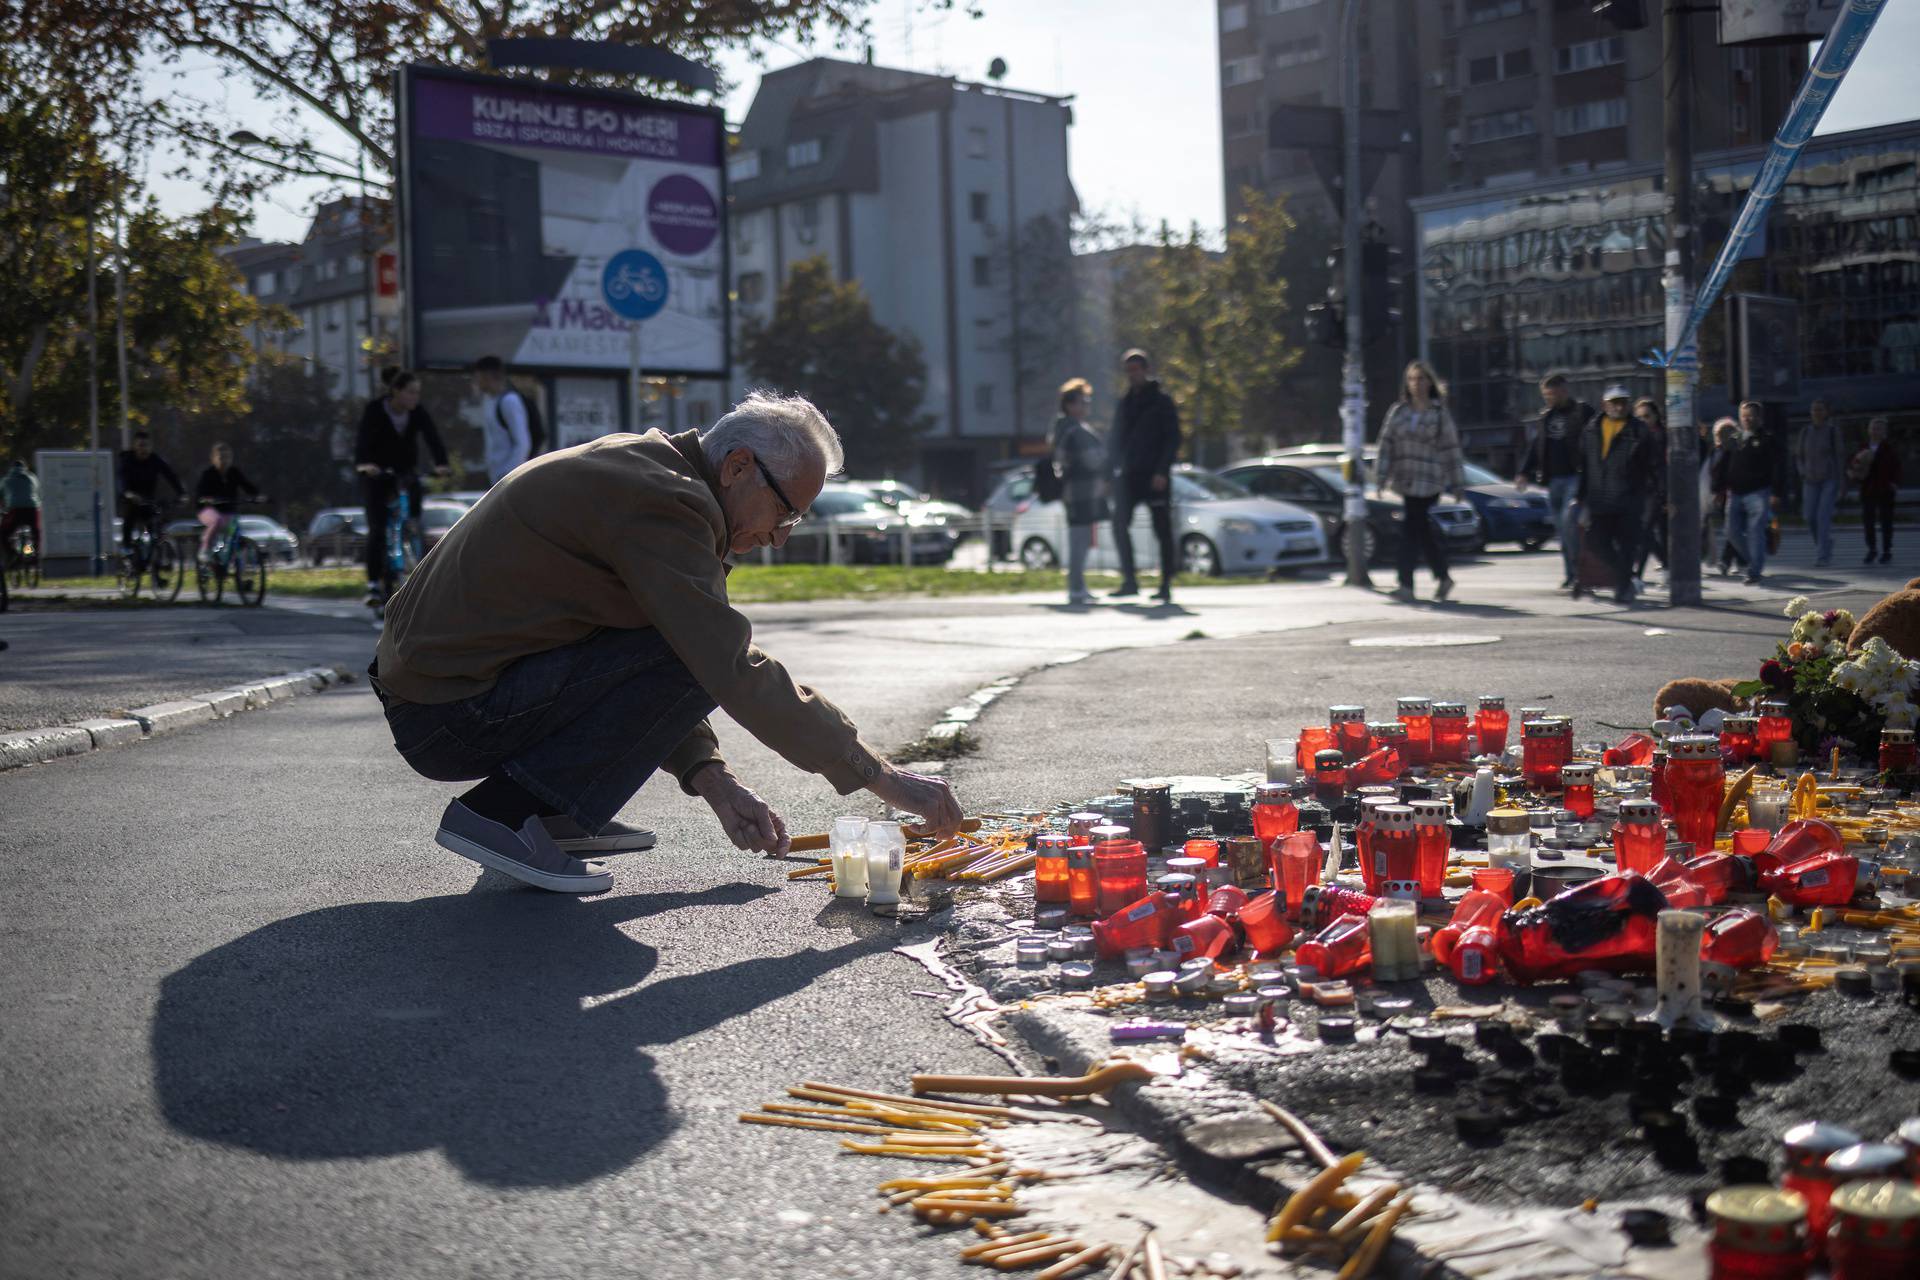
(823, 343)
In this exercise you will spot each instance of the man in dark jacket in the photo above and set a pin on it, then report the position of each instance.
(1615, 468)
(1549, 453)
(1146, 440)
(1756, 468)
(141, 471)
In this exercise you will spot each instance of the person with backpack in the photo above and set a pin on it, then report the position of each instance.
(514, 431)
(1075, 474)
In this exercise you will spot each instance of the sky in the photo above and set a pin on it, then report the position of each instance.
(1143, 75)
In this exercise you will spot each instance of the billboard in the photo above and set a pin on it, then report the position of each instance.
(516, 196)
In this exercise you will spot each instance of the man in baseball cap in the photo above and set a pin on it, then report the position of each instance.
(1616, 465)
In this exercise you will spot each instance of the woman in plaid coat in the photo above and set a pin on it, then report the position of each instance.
(1420, 460)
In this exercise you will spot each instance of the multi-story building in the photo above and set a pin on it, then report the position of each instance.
(922, 188)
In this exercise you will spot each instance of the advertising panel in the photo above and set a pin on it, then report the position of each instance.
(518, 198)
(68, 480)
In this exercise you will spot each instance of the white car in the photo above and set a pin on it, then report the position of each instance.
(1218, 527)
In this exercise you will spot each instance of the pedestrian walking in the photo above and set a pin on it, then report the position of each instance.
(386, 453)
(19, 504)
(1549, 451)
(1653, 540)
(1614, 462)
(1822, 458)
(571, 634)
(1142, 447)
(1879, 471)
(514, 432)
(1080, 460)
(1420, 459)
(1753, 469)
(1718, 542)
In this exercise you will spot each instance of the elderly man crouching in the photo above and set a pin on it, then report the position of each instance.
(572, 632)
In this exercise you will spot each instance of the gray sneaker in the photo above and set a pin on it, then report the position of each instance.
(615, 837)
(529, 855)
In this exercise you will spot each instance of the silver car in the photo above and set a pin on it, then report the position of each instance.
(1218, 527)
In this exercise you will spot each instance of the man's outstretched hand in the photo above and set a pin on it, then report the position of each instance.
(931, 798)
(747, 819)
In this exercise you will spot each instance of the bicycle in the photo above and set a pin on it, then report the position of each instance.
(150, 556)
(234, 555)
(23, 558)
(645, 282)
(406, 544)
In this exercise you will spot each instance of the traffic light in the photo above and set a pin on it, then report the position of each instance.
(1380, 282)
(1624, 15)
(1326, 327)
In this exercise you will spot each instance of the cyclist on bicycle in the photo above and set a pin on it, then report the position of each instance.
(218, 494)
(141, 471)
(388, 452)
(19, 502)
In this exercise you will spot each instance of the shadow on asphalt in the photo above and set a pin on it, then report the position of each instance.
(457, 1023)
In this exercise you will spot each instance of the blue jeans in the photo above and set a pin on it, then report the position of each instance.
(1748, 515)
(581, 726)
(1818, 499)
(1560, 493)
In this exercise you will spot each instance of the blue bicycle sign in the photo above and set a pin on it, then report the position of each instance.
(635, 284)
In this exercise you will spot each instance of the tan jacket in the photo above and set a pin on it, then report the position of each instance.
(624, 531)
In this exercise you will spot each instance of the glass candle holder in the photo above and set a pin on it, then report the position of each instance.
(1807, 1147)
(846, 845)
(1297, 859)
(1876, 1231)
(1153, 815)
(1696, 782)
(1449, 732)
(1767, 808)
(1050, 878)
(1246, 859)
(1080, 827)
(1634, 749)
(1751, 840)
(1576, 789)
(886, 844)
(1182, 892)
(1313, 739)
(1081, 899)
(1497, 881)
(1545, 745)
(1119, 875)
(1896, 751)
(1490, 725)
(1283, 760)
(1758, 1234)
(1775, 725)
(1657, 781)
(1433, 840)
(1639, 839)
(1349, 725)
(1329, 776)
(1417, 715)
(1740, 739)
(1274, 813)
(1395, 852)
(1393, 940)
(1363, 830)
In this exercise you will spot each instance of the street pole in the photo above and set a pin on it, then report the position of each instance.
(1353, 405)
(93, 388)
(366, 274)
(120, 302)
(1683, 441)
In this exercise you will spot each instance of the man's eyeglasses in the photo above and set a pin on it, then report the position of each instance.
(794, 513)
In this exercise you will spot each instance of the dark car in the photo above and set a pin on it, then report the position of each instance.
(1509, 514)
(1313, 481)
(276, 542)
(869, 533)
(339, 534)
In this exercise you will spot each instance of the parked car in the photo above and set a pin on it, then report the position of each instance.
(869, 533)
(436, 518)
(1312, 480)
(337, 533)
(275, 540)
(1007, 499)
(465, 497)
(889, 493)
(1507, 513)
(1218, 527)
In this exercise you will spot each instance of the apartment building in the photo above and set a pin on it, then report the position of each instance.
(327, 282)
(919, 187)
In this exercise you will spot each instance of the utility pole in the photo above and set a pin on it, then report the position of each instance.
(120, 294)
(93, 384)
(1353, 403)
(1683, 441)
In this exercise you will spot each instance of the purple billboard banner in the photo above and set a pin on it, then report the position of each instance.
(505, 115)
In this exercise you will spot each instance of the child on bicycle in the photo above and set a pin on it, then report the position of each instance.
(387, 454)
(218, 494)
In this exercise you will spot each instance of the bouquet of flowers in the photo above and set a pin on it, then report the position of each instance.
(1836, 700)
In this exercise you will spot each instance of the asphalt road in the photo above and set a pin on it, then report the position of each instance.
(254, 1022)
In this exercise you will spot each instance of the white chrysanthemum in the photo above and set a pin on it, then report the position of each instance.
(1797, 606)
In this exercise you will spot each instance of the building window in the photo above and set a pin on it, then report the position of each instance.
(983, 397)
(1497, 125)
(982, 270)
(1291, 53)
(806, 220)
(977, 205)
(1500, 66)
(1239, 71)
(1241, 124)
(264, 283)
(356, 265)
(1586, 117)
(976, 142)
(1589, 54)
(1494, 10)
(744, 166)
(983, 335)
(803, 153)
(752, 286)
(330, 270)
(1287, 6)
(1233, 17)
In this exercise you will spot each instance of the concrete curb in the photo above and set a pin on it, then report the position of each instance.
(37, 746)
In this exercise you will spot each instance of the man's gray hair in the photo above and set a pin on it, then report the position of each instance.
(783, 431)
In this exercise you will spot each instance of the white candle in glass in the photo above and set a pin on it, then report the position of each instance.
(1283, 760)
(886, 846)
(846, 843)
(1392, 933)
